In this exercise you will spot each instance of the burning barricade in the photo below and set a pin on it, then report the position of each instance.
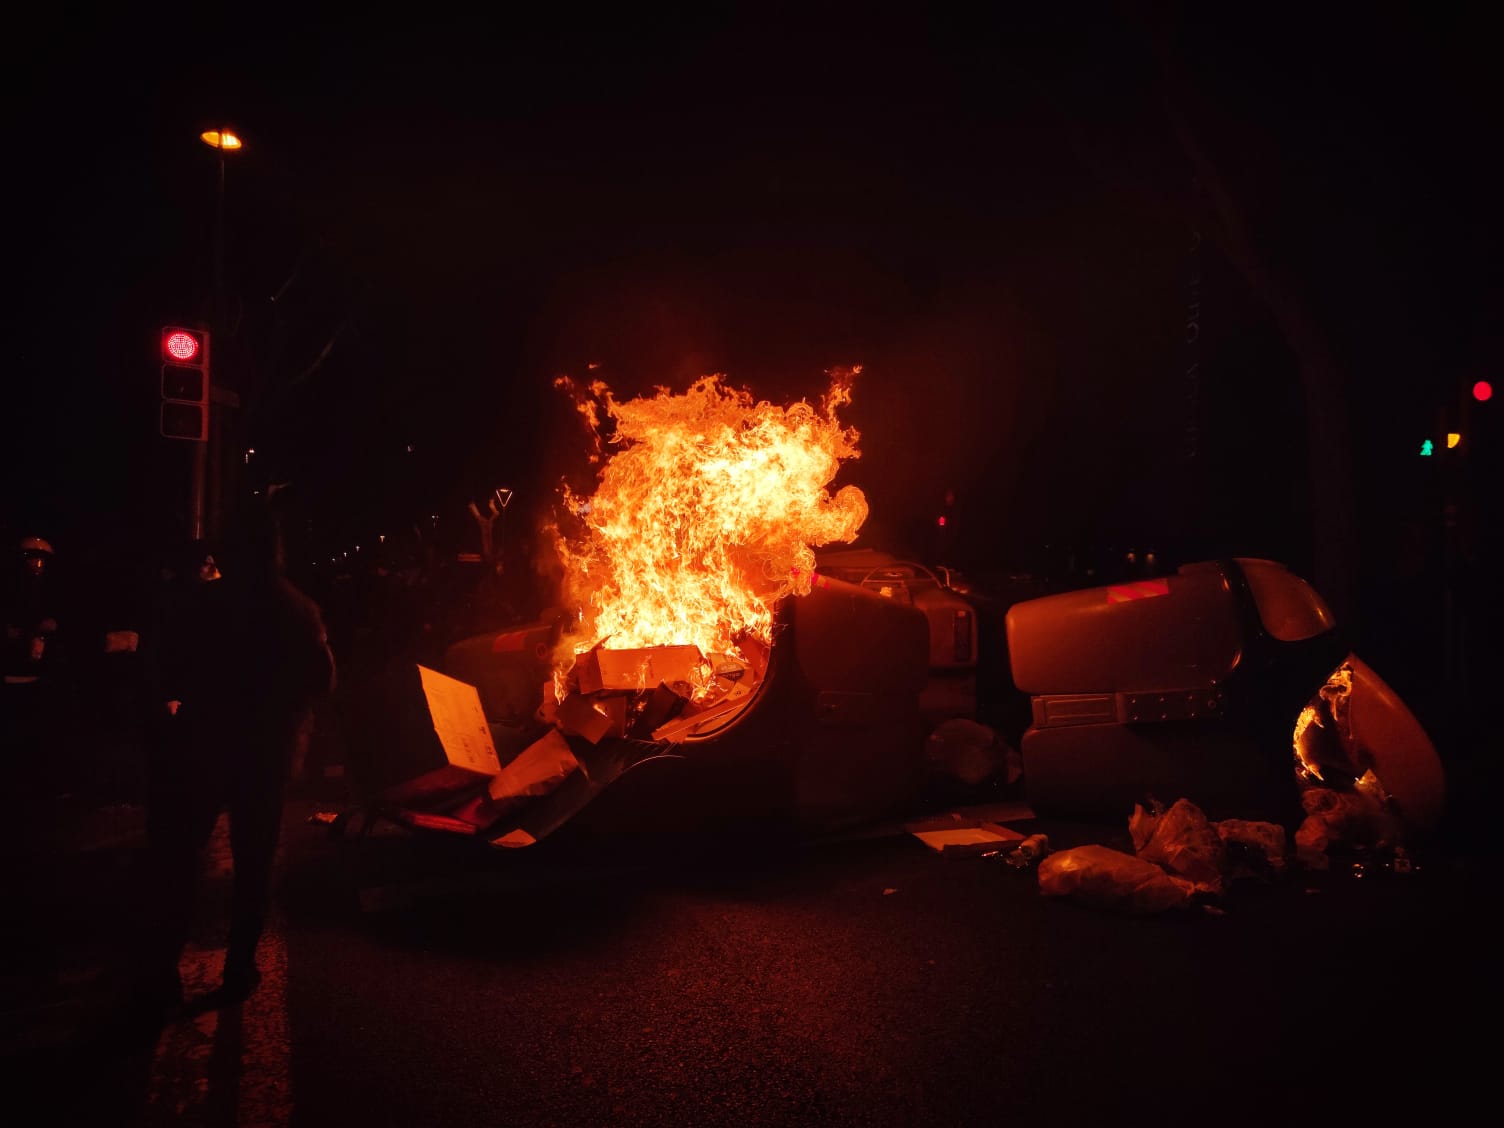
(702, 649)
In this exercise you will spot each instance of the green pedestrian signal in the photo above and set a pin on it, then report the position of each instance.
(1426, 447)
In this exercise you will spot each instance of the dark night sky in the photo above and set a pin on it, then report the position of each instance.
(992, 217)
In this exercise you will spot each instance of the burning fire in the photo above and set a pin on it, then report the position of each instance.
(704, 514)
(1321, 731)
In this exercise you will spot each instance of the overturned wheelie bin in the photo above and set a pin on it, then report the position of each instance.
(820, 729)
(1229, 683)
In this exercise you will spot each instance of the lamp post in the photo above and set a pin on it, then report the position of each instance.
(221, 140)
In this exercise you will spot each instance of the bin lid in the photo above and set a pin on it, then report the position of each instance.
(1169, 633)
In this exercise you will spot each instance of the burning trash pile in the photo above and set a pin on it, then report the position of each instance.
(703, 519)
(696, 640)
(700, 523)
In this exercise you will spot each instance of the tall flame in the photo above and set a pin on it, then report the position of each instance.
(705, 513)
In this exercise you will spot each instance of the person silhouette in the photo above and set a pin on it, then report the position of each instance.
(242, 669)
(34, 714)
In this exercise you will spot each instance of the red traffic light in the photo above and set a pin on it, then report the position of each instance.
(181, 345)
(185, 383)
(1483, 390)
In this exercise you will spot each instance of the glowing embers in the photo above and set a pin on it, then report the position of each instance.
(1323, 736)
(663, 693)
(702, 519)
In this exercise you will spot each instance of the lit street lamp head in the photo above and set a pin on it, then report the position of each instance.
(220, 139)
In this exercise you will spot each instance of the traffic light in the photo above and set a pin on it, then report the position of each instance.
(185, 383)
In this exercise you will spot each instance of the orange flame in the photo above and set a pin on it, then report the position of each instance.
(704, 516)
(1316, 746)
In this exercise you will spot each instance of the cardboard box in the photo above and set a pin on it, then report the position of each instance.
(969, 841)
(593, 718)
(661, 706)
(637, 669)
(548, 711)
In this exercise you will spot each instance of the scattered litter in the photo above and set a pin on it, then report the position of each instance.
(1103, 878)
(1254, 849)
(1359, 818)
(1194, 858)
(1182, 841)
(1028, 852)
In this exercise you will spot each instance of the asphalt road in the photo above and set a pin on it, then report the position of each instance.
(696, 982)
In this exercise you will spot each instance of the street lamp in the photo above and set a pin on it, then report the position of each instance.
(222, 140)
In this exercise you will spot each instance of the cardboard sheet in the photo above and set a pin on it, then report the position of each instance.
(460, 722)
(963, 841)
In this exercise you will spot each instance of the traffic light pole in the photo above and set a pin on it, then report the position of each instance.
(203, 492)
(196, 490)
(211, 453)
